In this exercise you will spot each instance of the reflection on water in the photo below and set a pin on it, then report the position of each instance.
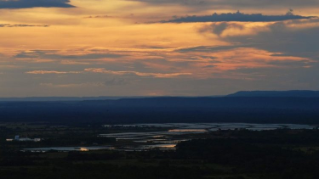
(68, 149)
(188, 130)
(221, 126)
(167, 136)
(173, 133)
(159, 146)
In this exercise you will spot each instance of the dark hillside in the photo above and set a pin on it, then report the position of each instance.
(167, 109)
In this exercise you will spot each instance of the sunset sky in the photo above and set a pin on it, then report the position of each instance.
(157, 47)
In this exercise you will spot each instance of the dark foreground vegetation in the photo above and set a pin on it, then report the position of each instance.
(238, 154)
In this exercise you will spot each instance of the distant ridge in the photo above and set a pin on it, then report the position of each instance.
(292, 93)
(247, 107)
(58, 98)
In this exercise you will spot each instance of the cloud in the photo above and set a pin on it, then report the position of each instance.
(116, 82)
(71, 85)
(180, 2)
(99, 16)
(209, 48)
(112, 72)
(19, 4)
(200, 5)
(239, 17)
(42, 72)
(286, 39)
(54, 55)
(22, 25)
(219, 28)
(297, 38)
(142, 74)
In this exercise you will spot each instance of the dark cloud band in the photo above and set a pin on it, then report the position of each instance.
(199, 5)
(19, 4)
(239, 17)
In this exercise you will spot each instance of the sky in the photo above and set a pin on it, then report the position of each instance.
(157, 47)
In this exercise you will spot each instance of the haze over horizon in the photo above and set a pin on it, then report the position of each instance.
(90, 48)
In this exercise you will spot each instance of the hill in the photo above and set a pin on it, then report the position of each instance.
(292, 93)
(166, 109)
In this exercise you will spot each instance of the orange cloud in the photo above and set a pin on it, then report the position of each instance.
(156, 75)
(42, 72)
